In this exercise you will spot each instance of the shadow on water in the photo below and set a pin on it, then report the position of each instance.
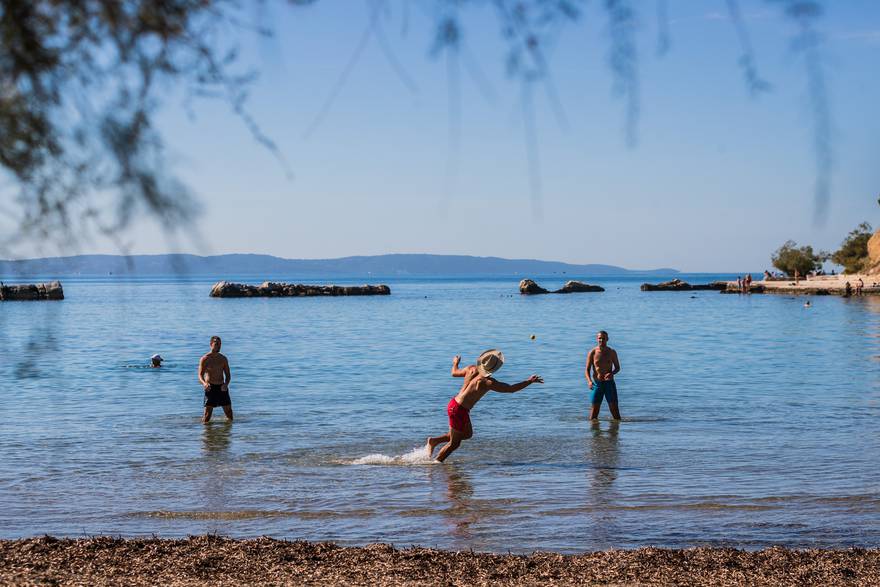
(218, 477)
(216, 438)
(461, 511)
(871, 303)
(41, 345)
(603, 454)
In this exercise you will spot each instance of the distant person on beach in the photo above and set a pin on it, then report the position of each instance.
(156, 361)
(797, 276)
(859, 286)
(478, 381)
(739, 284)
(747, 283)
(847, 289)
(214, 376)
(602, 365)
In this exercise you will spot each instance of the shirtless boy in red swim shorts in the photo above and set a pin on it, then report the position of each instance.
(478, 381)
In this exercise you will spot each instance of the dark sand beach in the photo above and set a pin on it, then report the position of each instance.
(213, 560)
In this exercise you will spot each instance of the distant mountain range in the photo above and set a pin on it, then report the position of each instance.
(399, 265)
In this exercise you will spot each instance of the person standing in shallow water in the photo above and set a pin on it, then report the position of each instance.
(478, 381)
(602, 366)
(214, 376)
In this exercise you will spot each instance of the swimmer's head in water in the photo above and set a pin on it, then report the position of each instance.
(156, 360)
(215, 343)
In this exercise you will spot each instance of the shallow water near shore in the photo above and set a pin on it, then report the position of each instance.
(749, 421)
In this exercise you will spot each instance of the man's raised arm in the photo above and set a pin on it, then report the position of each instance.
(456, 372)
(502, 387)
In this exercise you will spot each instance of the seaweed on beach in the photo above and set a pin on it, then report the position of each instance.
(215, 560)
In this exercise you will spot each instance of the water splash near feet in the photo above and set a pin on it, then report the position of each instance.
(417, 456)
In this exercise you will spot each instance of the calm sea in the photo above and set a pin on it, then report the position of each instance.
(749, 421)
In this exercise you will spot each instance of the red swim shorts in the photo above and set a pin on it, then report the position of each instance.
(459, 417)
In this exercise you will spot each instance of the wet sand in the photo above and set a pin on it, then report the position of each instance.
(213, 560)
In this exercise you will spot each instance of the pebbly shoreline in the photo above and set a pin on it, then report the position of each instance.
(213, 560)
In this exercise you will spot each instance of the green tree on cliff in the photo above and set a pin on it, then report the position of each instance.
(790, 257)
(853, 252)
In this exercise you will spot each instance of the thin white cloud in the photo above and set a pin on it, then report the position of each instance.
(869, 37)
(718, 15)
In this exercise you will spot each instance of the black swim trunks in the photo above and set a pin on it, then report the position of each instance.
(216, 397)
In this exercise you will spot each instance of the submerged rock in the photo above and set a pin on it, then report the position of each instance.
(227, 289)
(32, 291)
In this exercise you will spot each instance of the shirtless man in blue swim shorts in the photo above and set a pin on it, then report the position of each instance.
(602, 365)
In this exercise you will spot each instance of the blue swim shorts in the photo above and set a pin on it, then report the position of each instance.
(606, 389)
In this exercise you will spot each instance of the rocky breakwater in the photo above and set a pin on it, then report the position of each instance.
(529, 287)
(31, 292)
(679, 285)
(268, 289)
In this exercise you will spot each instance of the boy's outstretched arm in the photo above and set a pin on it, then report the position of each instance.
(456, 372)
(502, 387)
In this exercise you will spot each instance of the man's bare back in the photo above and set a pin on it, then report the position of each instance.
(473, 390)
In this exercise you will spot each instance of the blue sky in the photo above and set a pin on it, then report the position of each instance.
(716, 181)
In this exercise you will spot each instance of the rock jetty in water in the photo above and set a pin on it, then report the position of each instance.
(679, 285)
(529, 287)
(32, 291)
(268, 289)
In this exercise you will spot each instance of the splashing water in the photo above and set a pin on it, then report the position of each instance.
(417, 456)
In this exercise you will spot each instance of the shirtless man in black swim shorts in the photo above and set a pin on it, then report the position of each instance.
(214, 376)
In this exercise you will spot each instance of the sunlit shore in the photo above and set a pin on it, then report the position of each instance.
(815, 285)
(214, 560)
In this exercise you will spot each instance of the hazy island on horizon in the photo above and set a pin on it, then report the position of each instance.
(390, 265)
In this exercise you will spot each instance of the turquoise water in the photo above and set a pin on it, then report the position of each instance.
(749, 421)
